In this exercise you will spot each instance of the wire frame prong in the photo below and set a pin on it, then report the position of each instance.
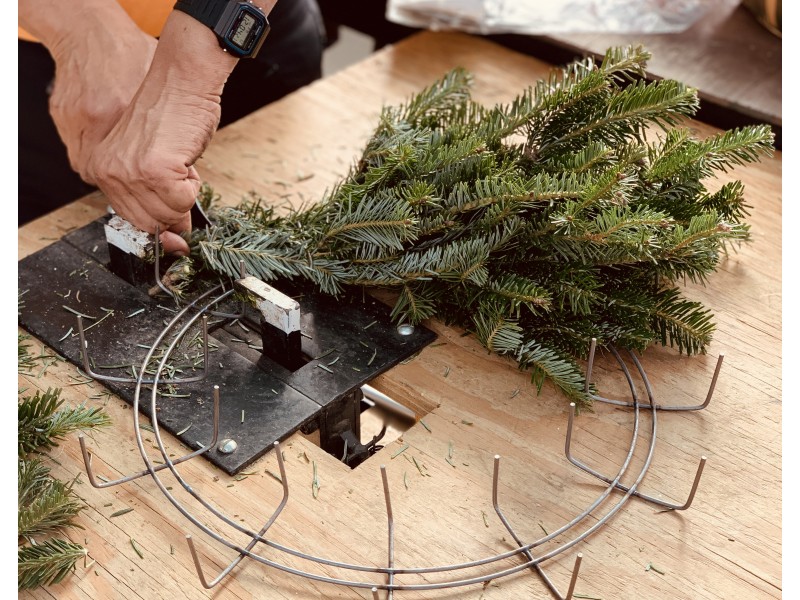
(390, 519)
(375, 593)
(574, 579)
(665, 407)
(535, 566)
(87, 367)
(619, 486)
(87, 456)
(256, 538)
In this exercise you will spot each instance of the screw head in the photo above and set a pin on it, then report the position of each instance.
(405, 329)
(227, 446)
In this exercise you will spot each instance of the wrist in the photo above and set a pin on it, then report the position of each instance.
(189, 59)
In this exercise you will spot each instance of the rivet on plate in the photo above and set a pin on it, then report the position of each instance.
(227, 446)
(405, 329)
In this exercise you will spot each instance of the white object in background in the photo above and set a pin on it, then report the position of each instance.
(537, 17)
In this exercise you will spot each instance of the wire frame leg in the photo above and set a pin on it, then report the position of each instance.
(527, 553)
(87, 456)
(390, 519)
(100, 377)
(667, 407)
(232, 565)
(618, 485)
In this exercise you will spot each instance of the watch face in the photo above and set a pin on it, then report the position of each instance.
(245, 30)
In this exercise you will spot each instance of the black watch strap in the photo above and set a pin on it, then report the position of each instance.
(207, 12)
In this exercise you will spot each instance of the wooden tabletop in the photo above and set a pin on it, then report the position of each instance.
(476, 405)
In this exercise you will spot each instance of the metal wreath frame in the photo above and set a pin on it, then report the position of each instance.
(390, 571)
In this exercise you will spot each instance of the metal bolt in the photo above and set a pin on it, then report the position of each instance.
(405, 329)
(227, 446)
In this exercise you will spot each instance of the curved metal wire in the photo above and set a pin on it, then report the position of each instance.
(424, 570)
(390, 571)
(361, 584)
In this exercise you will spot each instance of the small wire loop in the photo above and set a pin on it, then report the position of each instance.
(171, 294)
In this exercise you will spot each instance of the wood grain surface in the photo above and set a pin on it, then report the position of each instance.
(476, 405)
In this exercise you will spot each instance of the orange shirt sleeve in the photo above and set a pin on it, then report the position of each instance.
(149, 15)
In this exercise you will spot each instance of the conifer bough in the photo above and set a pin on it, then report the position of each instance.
(537, 225)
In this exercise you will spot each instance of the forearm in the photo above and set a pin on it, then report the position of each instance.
(189, 58)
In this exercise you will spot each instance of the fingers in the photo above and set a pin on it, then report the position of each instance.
(172, 243)
(157, 192)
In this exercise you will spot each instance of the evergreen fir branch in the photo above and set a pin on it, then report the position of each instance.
(625, 62)
(546, 110)
(677, 153)
(728, 202)
(512, 292)
(694, 250)
(45, 503)
(568, 337)
(420, 194)
(546, 363)
(46, 563)
(539, 107)
(270, 257)
(412, 305)
(496, 333)
(32, 477)
(383, 223)
(682, 323)
(437, 98)
(593, 156)
(627, 113)
(536, 224)
(738, 146)
(42, 422)
(575, 290)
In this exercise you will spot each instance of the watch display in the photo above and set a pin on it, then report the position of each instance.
(240, 26)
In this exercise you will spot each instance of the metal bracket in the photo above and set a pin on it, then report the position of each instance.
(344, 343)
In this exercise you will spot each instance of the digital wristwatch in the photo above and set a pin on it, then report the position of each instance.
(240, 26)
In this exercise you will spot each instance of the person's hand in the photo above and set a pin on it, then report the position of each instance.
(145, 165)
(97, 76)
(138, 146)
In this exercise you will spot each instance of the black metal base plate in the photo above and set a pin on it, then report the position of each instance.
(348, 341)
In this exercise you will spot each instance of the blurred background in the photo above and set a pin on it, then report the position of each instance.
(730, 50)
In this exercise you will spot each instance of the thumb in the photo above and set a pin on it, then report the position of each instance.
(172, 242)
